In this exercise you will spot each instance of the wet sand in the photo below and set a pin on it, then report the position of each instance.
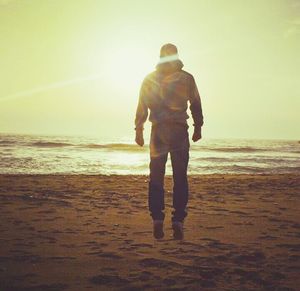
(94, 233)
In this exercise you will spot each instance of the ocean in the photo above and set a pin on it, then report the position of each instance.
(33, 154)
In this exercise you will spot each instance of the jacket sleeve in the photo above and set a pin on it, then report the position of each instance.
(195, 103)
(142, 109)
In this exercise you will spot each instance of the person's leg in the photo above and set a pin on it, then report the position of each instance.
(158, 159)
(179, 150)
(180, 159)
(156, 186)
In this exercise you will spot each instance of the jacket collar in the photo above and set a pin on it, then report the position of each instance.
(169, 67)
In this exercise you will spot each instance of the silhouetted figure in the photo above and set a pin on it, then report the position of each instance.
(166, 92)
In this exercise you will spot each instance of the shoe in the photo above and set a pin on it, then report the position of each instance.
(158, 231)
(177, 230)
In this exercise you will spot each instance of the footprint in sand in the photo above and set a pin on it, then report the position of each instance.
(108, 279)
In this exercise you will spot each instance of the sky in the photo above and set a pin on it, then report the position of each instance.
(75, 67)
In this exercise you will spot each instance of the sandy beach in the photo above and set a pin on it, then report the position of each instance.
(92, 232)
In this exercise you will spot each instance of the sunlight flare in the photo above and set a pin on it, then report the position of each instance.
(56, 85)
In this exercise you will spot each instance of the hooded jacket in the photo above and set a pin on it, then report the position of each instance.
(166, 93)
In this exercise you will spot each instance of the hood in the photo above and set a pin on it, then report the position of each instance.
(169, 67)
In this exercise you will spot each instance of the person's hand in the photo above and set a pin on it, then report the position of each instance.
(139, 137)
(197, 134)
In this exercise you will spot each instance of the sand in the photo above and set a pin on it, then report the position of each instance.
(94, 233)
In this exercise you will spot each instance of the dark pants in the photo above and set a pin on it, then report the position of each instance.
(168, 138)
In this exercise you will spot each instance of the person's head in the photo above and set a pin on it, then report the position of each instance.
(168, 49)
(168, 59)
(168, 53)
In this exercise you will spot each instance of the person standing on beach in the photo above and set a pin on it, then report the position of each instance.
(166, 93)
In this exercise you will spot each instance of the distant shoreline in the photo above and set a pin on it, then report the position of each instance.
(215, 175)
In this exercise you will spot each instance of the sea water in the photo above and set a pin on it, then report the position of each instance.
(33, 154)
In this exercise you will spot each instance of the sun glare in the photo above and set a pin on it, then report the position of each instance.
(126, 67)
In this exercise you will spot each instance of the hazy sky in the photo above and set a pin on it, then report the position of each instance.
(75, 66)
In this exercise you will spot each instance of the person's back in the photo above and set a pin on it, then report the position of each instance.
(166, 93)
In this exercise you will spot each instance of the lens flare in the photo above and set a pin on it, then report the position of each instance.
(56, 85)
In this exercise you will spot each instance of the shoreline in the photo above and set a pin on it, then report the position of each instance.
(145, 175)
